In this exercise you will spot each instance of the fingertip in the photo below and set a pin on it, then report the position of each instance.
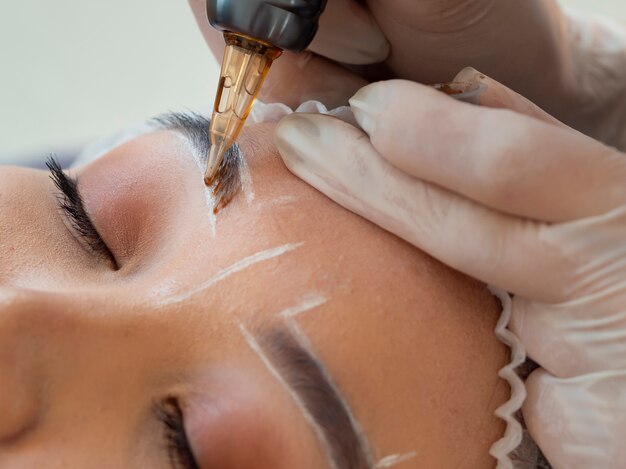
(497, 95)
(326, 153)
(365, 105)
(388, 94)
(462, 91)
(469, 74)
(348, 33)
(392, 101)
(316, 144)
(371, 100)
(295, 136)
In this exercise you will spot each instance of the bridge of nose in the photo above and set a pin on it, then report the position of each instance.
(53, 347)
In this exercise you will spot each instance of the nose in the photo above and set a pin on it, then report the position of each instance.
(21, 370)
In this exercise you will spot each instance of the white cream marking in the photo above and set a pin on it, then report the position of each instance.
(393, 459)
(282, 200)
(305, 343)
(258, 350)
(246, 179)
(210, 203)
(209, 198)
(307, 302)
(234, 268)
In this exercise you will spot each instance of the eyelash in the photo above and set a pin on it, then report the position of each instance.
(178, 449)
(71, 203)
(168, 411)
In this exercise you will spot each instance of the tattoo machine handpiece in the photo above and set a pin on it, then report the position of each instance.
(256, 33)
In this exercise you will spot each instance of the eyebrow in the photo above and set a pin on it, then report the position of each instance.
(194, 128)
(302, 372)
(308, 379)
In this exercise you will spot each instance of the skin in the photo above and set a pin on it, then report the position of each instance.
(85, 351)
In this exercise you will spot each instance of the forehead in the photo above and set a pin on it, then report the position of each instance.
(389, 311)
(272, 209)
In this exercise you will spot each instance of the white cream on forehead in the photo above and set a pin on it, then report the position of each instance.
(209, 199)
(308, 302)
(238, 266)
(246, 180)
(395, 459)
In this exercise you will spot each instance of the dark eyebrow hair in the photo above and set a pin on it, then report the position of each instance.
(302, 372)
(307, 378)
(195, 128)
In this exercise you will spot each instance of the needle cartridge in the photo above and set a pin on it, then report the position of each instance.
(246, 64)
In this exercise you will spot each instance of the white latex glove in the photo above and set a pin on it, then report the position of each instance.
(513, 198)
(572, 65)
(596, 69)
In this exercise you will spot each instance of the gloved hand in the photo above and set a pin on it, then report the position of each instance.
(569, 64)
(511, 197)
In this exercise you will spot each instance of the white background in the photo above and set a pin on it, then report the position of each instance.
(75, 70)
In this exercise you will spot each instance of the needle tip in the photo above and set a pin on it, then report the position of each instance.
(216, 155)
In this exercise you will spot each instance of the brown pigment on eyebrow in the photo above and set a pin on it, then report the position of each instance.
(227, 181)
(196, 128)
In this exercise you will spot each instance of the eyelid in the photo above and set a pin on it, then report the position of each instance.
(71, 204)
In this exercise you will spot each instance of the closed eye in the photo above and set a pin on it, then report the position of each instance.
(179, 451)
(71, 204)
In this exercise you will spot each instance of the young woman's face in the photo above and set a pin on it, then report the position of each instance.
(285, 333)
